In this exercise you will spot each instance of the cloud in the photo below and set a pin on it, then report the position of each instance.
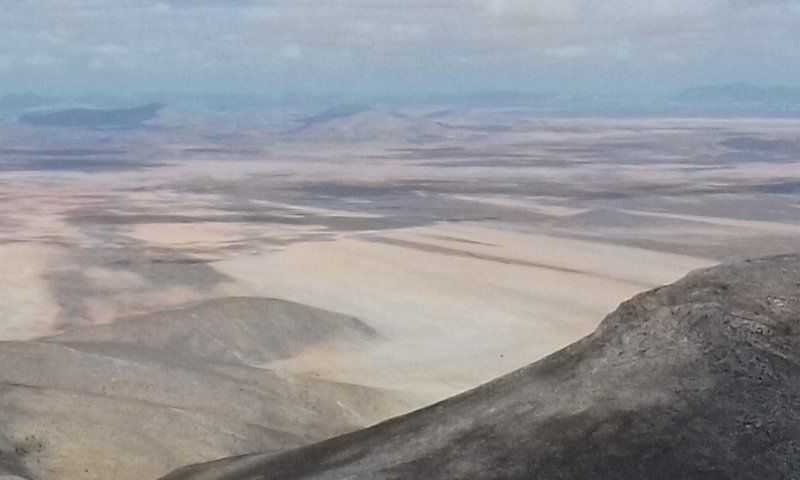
(568, 51)
(40, 60)
(433, 44)
(292, 52)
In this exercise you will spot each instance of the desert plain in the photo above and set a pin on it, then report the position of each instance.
(218, 283)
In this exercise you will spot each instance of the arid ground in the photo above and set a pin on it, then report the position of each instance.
(438, 249)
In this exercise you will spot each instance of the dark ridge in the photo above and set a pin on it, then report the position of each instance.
(94, 118)
(333, 113)
(74, 164)
(698, 380)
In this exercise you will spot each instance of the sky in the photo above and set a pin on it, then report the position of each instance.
(395, 47)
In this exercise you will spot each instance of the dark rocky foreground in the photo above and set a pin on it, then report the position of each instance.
(696, 380)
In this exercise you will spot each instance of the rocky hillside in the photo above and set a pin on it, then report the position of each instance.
(696, 380)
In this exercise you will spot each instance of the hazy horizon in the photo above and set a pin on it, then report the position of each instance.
(730, 100)
(377, 49)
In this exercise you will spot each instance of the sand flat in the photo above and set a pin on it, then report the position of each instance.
(27, 306)
(508, 298)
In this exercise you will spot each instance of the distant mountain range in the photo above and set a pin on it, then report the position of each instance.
(104, 110)
(333, 113)
(94, 117)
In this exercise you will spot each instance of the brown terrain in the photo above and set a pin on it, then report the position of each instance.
(219, 284)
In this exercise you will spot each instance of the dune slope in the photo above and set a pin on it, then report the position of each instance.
(696, 380)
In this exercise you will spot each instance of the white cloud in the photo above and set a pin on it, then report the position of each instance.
(568, 51)
(112, 50)
(40, 60)
(161, 8)
(338, 40)
(292, 52)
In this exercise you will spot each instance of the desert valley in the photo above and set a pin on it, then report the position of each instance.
(193, 285)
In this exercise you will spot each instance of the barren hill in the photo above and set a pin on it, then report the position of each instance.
(246, 330)
(135, 399)
(696, 380)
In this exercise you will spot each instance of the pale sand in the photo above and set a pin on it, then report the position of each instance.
(528, 203)
(27, 307)
(456, 305)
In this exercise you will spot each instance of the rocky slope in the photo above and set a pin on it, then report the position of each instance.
(696, 380)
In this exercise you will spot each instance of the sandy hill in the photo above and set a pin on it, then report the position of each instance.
(246, 330)
(137, 399)
(696, 380)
